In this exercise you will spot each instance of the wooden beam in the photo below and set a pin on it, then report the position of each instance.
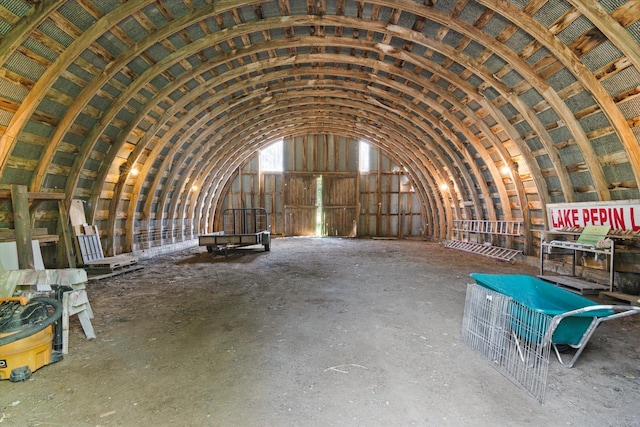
(114, 151)
(612, 25)
(31, 195)
(222, 170)
(64, 249)
(22, 225)
(23, 28)
(47, 80)
(623, 41)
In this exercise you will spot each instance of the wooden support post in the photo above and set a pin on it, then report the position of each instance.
(379, 194)
(22, 225)
(65, 247)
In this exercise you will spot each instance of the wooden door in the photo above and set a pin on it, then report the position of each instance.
(300, 204)
(340, 205)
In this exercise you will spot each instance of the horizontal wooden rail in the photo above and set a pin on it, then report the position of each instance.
(35, 196)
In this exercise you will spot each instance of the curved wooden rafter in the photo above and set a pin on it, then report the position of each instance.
(580, 71)
(233, 154)
(25, 26)
(46, 81)
(171, 59)
(115, 151)
(118, 198)
(610, 26)
(222, 172)
(211, 201)
(140, 82)
(202, 122)
(235, 115)
(207, 85)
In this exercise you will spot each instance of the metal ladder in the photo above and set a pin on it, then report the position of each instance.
(501, 227)
(503, 254)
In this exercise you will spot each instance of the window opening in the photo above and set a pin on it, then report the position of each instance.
(363, 157)
(272, 157)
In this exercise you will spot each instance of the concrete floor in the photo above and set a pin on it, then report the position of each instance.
(317, 332)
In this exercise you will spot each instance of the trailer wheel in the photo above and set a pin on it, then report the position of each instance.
(210, 249)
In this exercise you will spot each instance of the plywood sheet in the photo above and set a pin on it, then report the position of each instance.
(38, 262)
(76, 213)
(9, 256)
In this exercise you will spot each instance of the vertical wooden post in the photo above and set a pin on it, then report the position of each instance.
(379, 194)
(22, 225)
(65, 245)
(358, 204)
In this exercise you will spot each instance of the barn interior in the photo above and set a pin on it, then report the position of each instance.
(500, 135)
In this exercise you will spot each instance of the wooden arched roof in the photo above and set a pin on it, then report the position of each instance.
(184, 91)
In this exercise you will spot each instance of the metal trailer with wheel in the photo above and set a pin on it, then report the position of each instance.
(240, 227)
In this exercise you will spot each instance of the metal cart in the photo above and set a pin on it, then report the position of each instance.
(517, 320)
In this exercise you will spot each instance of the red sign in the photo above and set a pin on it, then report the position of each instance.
(623, 215)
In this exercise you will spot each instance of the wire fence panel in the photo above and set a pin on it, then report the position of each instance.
(153, 233)
(509, 335)
(244, 221)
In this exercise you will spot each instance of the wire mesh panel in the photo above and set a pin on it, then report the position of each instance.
(484, 324)
(244, 220)
(510, 336)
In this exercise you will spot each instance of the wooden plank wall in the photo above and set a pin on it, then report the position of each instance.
(320, 153)
(385, 204)
(272, 185)
(389, 207)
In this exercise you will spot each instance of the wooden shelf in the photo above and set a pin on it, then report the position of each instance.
(620, 236)
(571, 248)
(43, 239)
(24, 205)
(39, 234)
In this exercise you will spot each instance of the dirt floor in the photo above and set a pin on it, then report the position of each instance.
(316, 332)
